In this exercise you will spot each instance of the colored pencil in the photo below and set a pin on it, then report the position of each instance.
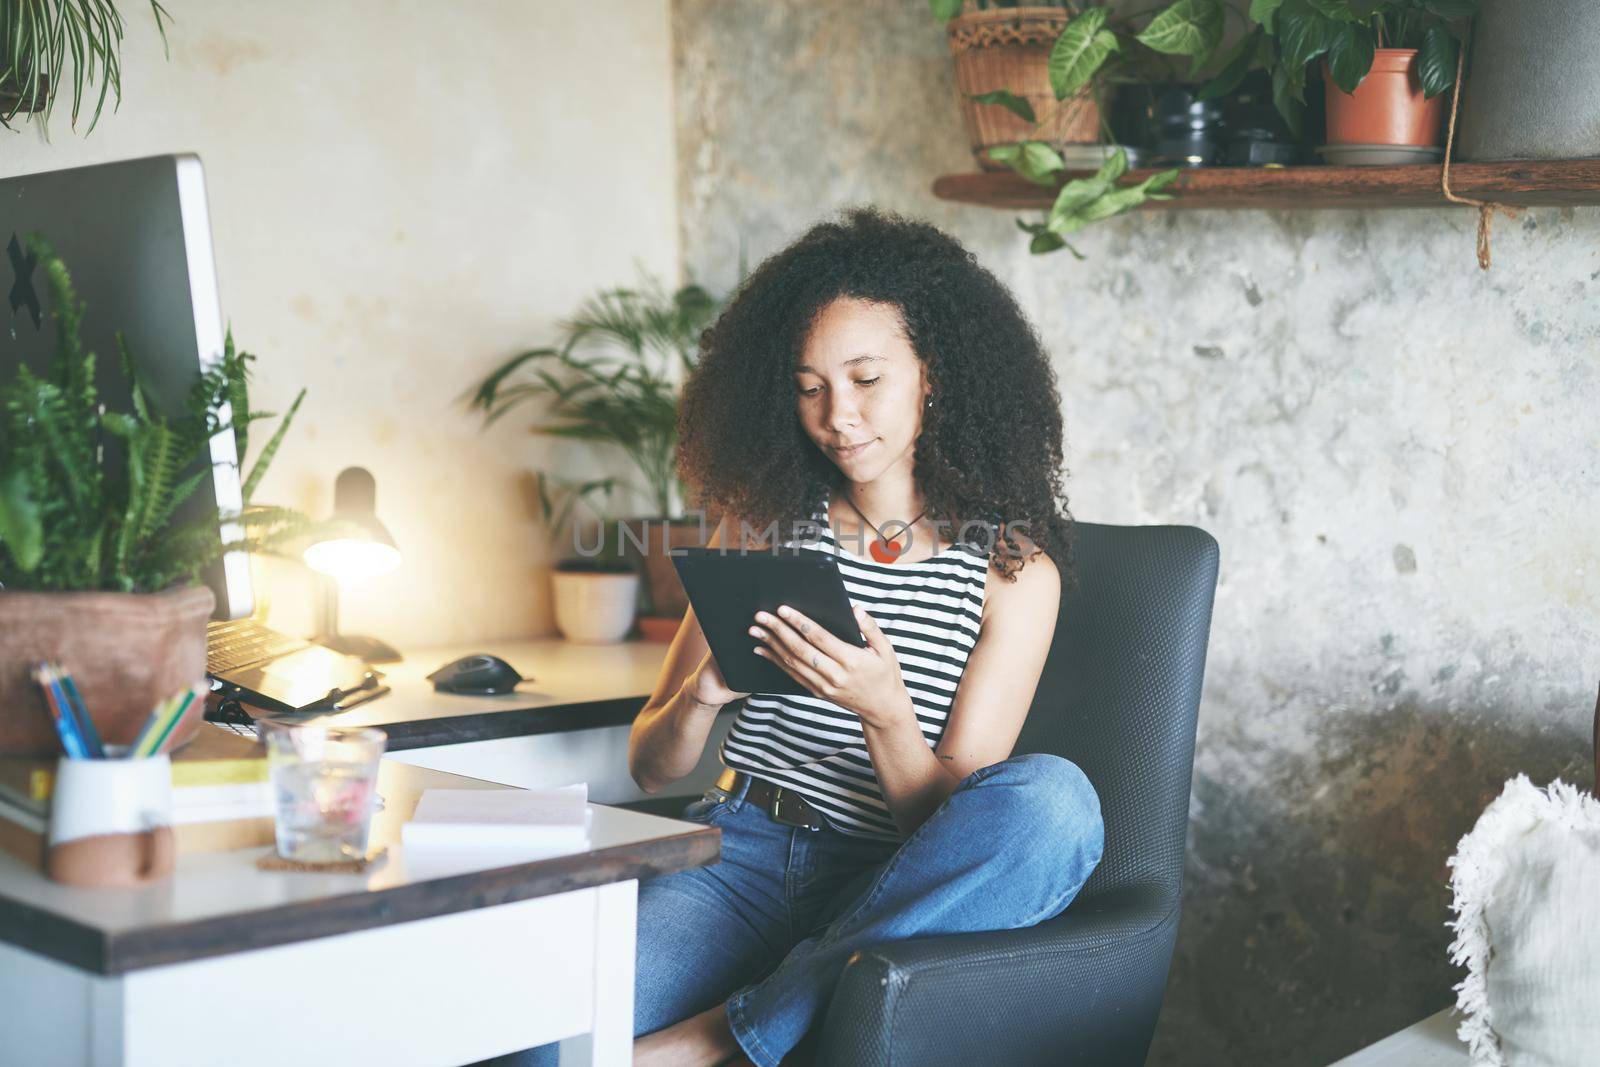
(152, 727)
(69, 714)
(71, 743)
(91, 736)
(65, 694)
(150, 721)
(176, 717)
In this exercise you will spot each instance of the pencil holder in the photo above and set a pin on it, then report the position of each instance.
(111, 821)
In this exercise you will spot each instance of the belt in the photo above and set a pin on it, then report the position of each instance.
(782, 804)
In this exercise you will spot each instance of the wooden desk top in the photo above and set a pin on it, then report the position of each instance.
(572, 687)
(219, 902)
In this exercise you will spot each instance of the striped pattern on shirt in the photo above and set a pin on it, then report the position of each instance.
(930, 611)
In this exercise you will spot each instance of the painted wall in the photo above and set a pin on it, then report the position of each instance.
(1396, 451)
(402, 196)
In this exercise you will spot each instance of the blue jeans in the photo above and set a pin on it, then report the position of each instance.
(767, 930)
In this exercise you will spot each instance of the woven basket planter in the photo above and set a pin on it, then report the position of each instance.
(1009, 48)
(126, 651)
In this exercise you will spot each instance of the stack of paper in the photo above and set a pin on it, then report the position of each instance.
(554, 819)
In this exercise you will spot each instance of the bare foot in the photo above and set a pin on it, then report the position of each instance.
(703, 1040)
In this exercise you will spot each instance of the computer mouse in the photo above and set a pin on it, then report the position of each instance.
(477, 675)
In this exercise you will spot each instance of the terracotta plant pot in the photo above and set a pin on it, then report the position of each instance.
(127, 652)
(1009, 48)
(659, 629)
(1388, 106)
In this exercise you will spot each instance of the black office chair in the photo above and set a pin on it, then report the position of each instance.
(1119, 697)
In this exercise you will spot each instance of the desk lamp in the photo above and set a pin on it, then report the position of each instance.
(364, 549)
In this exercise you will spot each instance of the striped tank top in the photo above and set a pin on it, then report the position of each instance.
(930, 611)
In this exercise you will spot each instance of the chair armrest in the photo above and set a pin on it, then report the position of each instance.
(1084, 987)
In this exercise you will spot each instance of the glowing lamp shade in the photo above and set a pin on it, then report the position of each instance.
(349, 559)
(361, 549)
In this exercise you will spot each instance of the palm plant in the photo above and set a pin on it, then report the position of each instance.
(608, 381)
(37, 37)
(77, 515)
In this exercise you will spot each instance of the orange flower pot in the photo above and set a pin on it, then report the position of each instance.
(1388, 106)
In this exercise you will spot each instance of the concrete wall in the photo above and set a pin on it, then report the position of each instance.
(402, 194)
(1396, 451)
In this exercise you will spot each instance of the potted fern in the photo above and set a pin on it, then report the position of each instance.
(609, 380)
(99, 561)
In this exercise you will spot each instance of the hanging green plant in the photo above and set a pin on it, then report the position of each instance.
(1097, 47)
(39, 37)
(1084, 200)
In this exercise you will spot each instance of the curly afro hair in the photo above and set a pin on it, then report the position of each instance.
(990, 451)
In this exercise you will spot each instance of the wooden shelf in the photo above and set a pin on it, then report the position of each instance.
(1530, 183)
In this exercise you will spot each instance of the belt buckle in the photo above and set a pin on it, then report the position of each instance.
(776, 812)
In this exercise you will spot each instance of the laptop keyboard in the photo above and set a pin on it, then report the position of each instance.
(236, 644)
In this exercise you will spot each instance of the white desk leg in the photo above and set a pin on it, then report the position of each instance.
(610, 1043)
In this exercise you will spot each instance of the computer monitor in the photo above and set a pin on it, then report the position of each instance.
(136, 238)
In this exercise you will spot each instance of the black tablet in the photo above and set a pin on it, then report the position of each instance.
(727, 587)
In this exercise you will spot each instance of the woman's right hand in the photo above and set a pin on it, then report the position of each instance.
(708, 686)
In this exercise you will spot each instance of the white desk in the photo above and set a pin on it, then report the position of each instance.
(569, 723)
(1430, 1043)
(442, 963)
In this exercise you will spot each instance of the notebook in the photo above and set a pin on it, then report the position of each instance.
(518, 818)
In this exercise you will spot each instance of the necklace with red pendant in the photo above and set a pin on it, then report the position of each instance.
(883, 549)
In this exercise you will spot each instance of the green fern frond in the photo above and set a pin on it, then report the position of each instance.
(235, 368)
(136, 389)
(263, 461)
(21, 532)
(179, 493)
(162, 466)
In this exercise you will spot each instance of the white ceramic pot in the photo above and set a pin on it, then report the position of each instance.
(594, 607)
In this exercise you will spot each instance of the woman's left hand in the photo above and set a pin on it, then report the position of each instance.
(866, 681)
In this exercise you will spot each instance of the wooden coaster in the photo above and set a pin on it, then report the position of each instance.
(271, 861)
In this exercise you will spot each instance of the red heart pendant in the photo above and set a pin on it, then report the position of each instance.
(885, 551)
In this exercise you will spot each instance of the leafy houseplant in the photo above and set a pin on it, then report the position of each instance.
(607, 380)
(37, 37)
(606, 556)
(99, 558)
(1346, 36)
(1083, 201)
(1094, 48)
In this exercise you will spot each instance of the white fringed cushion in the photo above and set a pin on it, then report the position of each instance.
(1526, 880)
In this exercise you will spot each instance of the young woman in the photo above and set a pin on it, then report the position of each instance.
(873, 380)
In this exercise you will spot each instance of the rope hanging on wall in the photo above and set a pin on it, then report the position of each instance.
(1486, 208)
